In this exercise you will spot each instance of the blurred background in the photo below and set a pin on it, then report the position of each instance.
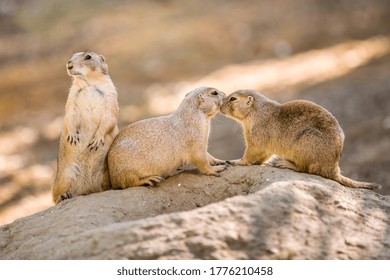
(335, 53)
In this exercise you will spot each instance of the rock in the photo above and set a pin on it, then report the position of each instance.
(254, 212)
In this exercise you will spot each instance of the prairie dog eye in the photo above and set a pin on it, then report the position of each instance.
(214, 92)
(87, 57)
(232, 98)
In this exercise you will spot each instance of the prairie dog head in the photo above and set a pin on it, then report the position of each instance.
(239, 104)
(206, 99)
(87, 65)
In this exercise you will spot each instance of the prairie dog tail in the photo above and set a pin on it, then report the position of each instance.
(356, 184)
(276, 161)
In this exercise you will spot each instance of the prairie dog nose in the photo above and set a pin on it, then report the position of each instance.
(69, 65)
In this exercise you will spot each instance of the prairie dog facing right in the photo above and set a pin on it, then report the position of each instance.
(147, 151)
(304, 136)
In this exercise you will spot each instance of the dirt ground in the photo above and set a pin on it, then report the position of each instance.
(335, 53)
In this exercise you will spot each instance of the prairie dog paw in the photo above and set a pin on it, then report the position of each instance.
(219, 168)
(73, 138)
(218, 162)
(95, 143)
(67, 195)
(213, 171)
(153, 181)
(238, 162)
(214, 161)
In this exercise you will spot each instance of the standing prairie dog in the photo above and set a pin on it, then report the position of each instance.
(304, 136)
(90, 125)
(146, 152)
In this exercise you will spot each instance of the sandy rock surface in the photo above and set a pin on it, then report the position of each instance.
(254, 212)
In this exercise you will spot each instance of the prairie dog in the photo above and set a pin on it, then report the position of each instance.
(304, 136)
(89, 127)
(147, 151)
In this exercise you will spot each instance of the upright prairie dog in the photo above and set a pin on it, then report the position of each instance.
(304, 136)
(89, 127)
(146, 152)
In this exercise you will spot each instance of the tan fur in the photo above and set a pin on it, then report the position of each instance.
(304, 136)
(146, 152)
(90, 125)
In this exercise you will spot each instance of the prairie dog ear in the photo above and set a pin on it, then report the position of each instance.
(102, 58)
(249, 101)
(200, 98)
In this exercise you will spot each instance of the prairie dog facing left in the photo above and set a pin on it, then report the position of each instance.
(304, 136)
(147, 151)
(89, 127)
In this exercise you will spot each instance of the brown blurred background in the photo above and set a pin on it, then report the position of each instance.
(335, 53)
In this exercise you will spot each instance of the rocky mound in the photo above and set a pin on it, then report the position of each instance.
(254, 212)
